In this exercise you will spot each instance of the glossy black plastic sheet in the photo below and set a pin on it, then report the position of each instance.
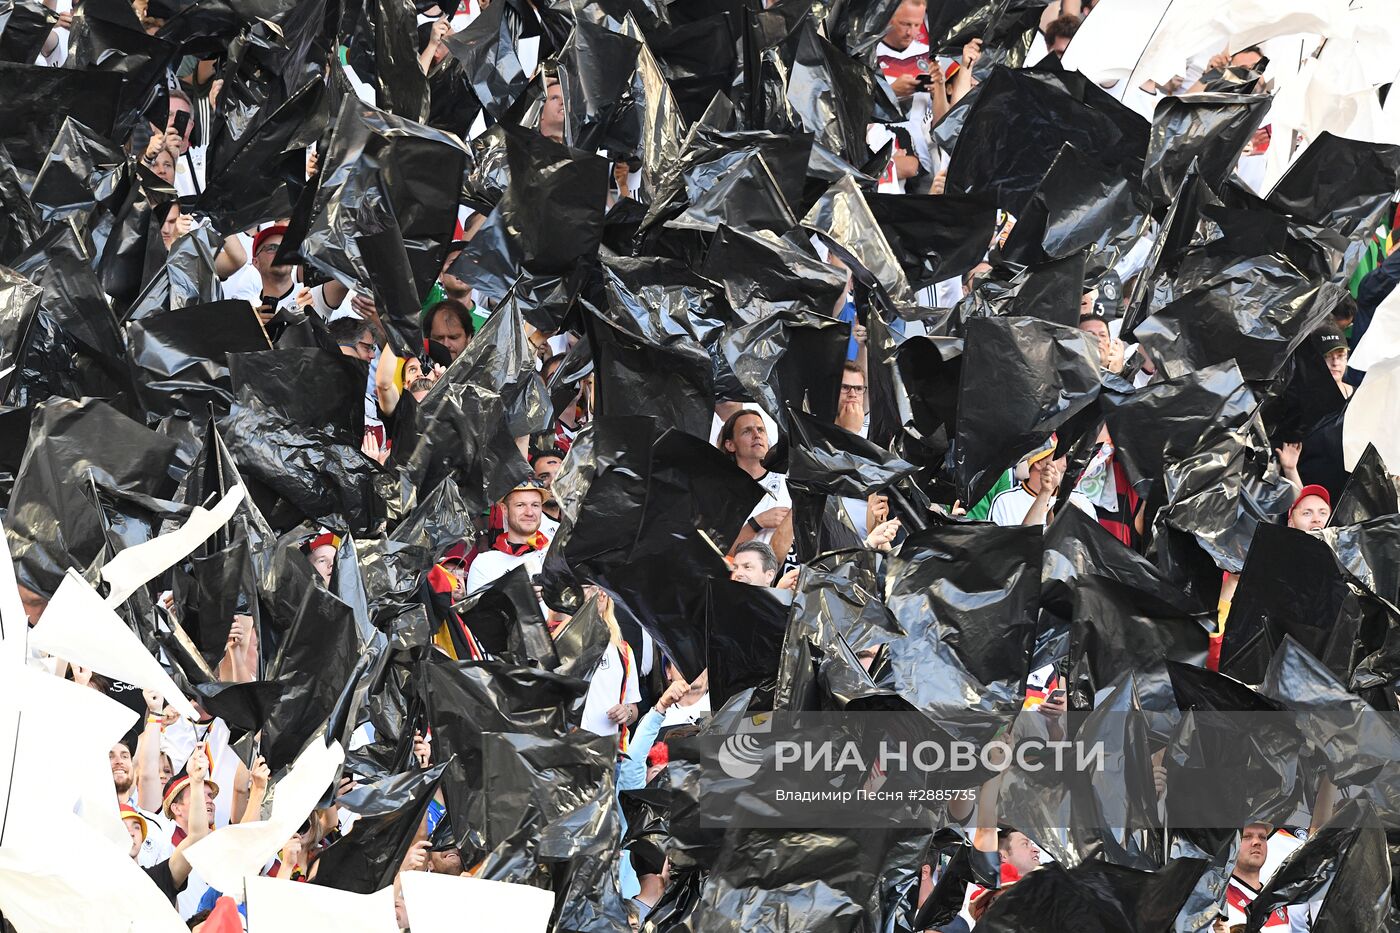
(1014, 131)
(744, 627)
(762, 275)
(313, 643)
(1095, 897)
(489, 51)
(648, 355)
(967, 594)
(81, 173)
(821, 880)
(107, 37)
(665, 590)
(845, 219)
(390, 812)
(826, 458)
(1079, 204)
(1116, 626)
(244, 706)
(505, 617)
(1224, 489)
(464, 700)
(1222, 765)
(465, 421)
(181, 357)
(596, 69)
(1347, 856)
(934, 237)
(19, 300)
(1369, 492)
(1021, 379)
(51, 523)
(1255, 313)
(1365, 551)
(26, 28)
(836, 96)
(1071, 819)
(553, 776)
(38, 100)
(1161, 422)
(582, 641)
(790, 360)
(296, 425)
(555, 204)
(239, 190)
(1340, 183)
(1290, 587)
(1210, 129)
(377, 162)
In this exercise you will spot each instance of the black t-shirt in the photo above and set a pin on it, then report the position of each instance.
(160, 874)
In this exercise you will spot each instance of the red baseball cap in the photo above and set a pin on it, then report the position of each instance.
(261, 236)
(1313, 490)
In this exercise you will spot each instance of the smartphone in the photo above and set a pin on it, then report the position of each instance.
(924, 80)
(1055, 696)
(181, 122)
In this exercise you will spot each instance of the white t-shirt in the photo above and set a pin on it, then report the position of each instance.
(1010, 507)
(156, 848)
(775, 496)
(605, 690)
(490, 566)
(189, 172)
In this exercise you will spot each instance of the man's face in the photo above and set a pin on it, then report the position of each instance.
(1309, 513)
(167, 771)
(1337, 362)
(323, 562)
(552, 114)
(262, 259)
(1037, 470)
(852, 387)
(523, 511)
(180, 808)
(1095, 326)
(904, 25)
(134, 828)
(168, 225)
(546, 468)
(1254, 847)
(119, 757)
(447, 330)
(1023, 855)
(34, 604)
(750, 439)
(1249, 60)
(748, 568)
(448, 862)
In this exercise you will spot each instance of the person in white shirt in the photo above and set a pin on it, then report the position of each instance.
(1031, 501)
(521, 543)
(915, 78)
(744, 439)
(613, 691)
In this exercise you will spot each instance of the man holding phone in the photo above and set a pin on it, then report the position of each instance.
(189, 160)
(912, 73)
